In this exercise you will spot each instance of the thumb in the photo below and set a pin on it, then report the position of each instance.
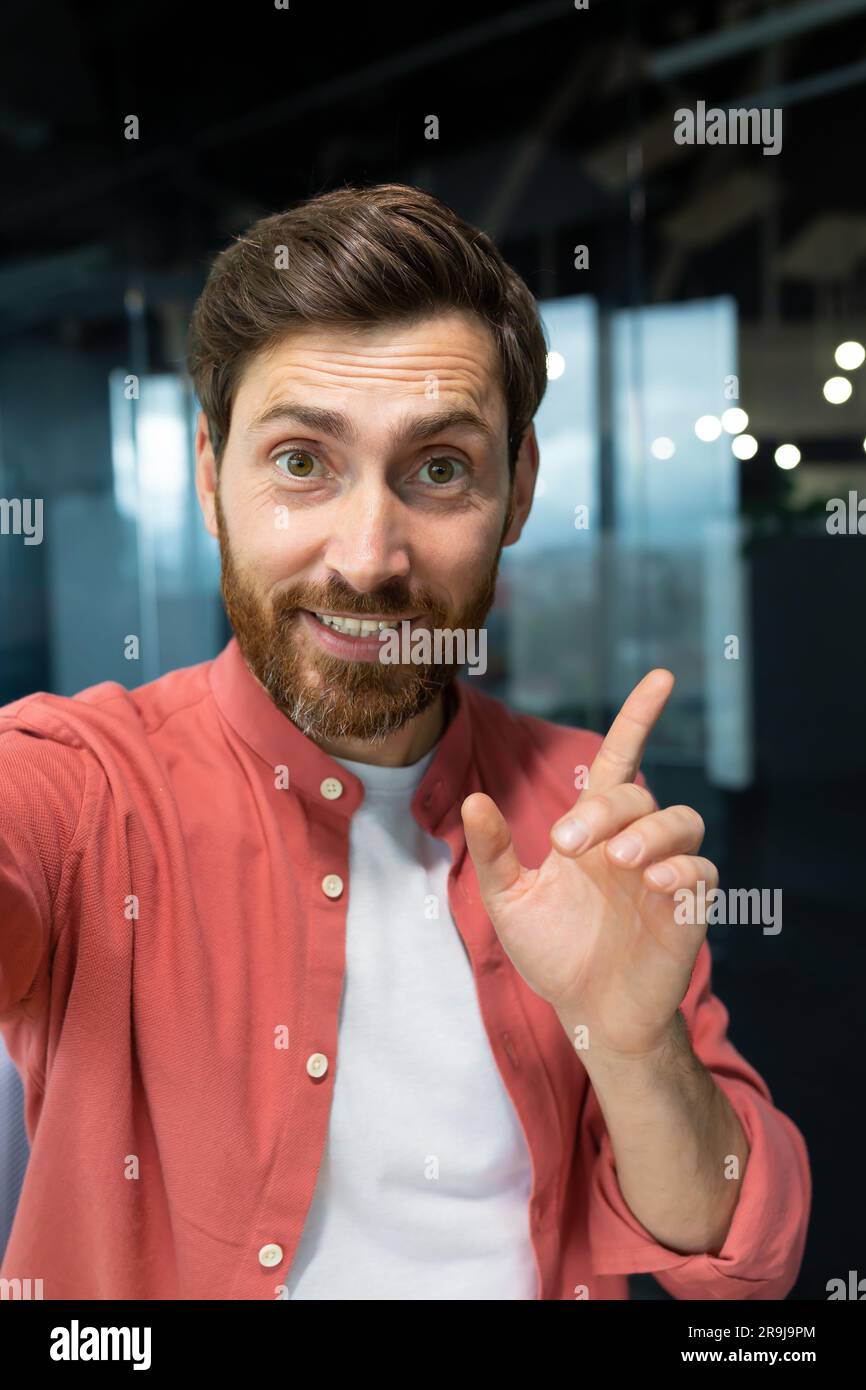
(488, 840)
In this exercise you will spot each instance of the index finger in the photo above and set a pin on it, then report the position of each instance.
(618, 758)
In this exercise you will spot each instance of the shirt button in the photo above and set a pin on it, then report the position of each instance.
(317, 1064)
(332, 885)
(271, 1255)
(331, 788)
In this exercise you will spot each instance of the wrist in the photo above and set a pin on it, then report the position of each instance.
(671, 1042)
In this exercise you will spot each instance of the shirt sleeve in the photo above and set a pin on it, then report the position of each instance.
(42, 785)
(763, 1249)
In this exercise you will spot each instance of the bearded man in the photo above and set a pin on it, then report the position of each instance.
(324, 982)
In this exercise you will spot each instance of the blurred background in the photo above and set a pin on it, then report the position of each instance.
(705, 306)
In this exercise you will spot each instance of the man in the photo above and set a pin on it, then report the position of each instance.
(294, 1018)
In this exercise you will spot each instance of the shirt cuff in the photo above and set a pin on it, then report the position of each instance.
(763, 1249)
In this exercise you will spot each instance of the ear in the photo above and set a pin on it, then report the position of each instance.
(523, 487)
(206, 478)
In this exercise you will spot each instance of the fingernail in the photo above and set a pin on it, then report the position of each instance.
(661, 874)
(625, 848)
(571, 834)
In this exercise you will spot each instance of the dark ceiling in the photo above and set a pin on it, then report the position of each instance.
(555, 126)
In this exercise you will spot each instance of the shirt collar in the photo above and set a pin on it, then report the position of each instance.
(397, 782)
(251, 712)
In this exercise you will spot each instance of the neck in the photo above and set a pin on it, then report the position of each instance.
(399, 749)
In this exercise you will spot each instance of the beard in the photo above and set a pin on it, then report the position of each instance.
(327, 697)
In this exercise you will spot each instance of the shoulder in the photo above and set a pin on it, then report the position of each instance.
(103, 727)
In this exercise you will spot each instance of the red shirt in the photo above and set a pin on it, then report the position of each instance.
(171, 913)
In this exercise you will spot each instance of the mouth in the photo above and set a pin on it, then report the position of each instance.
(349, 625)
(351, 637)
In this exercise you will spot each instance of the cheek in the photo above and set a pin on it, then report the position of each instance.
(266, 538)
(463, 549)
(456, 562)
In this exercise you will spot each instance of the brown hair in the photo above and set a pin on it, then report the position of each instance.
(359, 256)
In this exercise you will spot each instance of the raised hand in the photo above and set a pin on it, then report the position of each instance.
(593, 930)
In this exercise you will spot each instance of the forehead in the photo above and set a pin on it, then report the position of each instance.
(447, 357)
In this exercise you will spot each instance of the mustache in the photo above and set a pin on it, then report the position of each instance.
(391, 600)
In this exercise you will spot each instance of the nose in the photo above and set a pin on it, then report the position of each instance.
(368, 545)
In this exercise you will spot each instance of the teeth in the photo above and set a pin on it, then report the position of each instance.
(354, 627)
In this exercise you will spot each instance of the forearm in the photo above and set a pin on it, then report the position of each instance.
(672, 1131)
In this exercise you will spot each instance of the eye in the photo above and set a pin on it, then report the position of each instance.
(301, 464)
(443, 470)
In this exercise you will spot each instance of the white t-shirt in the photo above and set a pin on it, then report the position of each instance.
(423, 1191)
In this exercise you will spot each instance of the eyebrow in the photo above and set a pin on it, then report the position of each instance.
(338, 426)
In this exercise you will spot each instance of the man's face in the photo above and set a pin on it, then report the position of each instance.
(343, 490)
